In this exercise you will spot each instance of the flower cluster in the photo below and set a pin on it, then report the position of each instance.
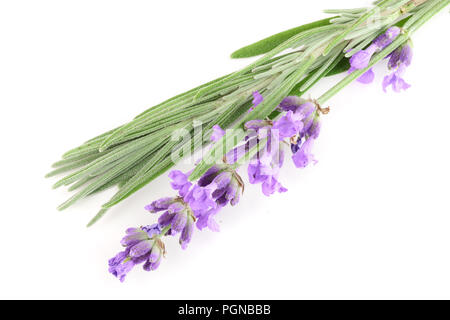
(142, 245)
(197, 204)
(301, 125)
(398, 61)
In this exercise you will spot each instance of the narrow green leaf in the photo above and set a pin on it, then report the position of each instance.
(114, 172)
(97, 217)
(283, 46)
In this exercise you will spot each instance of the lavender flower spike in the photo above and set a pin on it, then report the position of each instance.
(142, 245)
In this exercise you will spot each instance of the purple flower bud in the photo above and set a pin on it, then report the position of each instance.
(209, 176)
(291, 103)
(186, 234)
(133, 238)
(386, 38)
(160, 205)
(140, 249)
(155, 254)
(152, 266)
(165, 219)
(178, 222)
(153, 260)
(257, 99)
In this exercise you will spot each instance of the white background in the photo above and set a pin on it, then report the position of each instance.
(370, 220)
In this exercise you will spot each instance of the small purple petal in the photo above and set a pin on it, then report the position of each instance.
(304, 156)
(361, 59)
(367, 77)
(288, 125)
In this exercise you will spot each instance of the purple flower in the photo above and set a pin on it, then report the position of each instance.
(257, 99)
(178, 218)
(367, 77)
(401, 56)
(206, 219)
(361, 59)
(289, 124)
(303, 146)
(386, 38)
(142, 245)
(120, 265)
(264, 168)
(303, 156)
(217, 134)
(395, 79)
(215, 189)
(398, 61)
(180, 182)
(291, 103)
(200, 199)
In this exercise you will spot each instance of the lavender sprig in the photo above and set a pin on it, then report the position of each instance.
(221, 185)
(137, 152)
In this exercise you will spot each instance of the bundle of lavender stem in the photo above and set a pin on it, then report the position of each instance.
(252, 105)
